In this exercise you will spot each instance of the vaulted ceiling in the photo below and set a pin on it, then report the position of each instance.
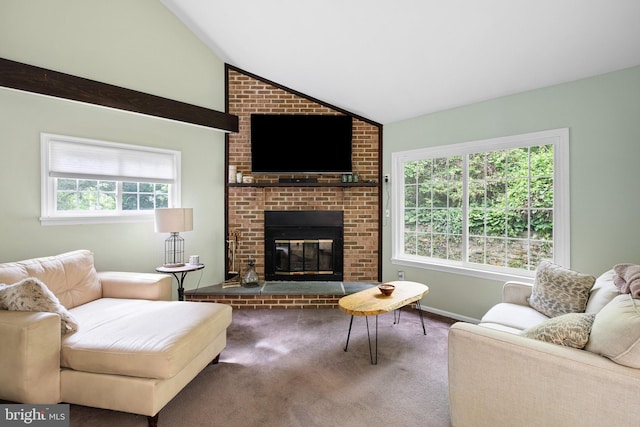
(393, 60)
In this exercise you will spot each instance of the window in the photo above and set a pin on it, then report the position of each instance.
(491, 208)
(89, 181)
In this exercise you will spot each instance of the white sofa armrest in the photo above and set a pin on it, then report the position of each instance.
(122, 284)
(499, 379)
(516, 292)
(30, 357)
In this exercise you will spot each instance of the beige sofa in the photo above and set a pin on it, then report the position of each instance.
(498, 377)
(133, 350)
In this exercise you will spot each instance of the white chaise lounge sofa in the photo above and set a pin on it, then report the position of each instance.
(133, 349)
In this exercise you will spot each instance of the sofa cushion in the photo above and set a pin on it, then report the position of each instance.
(602, 292)
(558, 290)
(569, 330)
(499, 327)
(616, 331)
(31, 294)
(513, 316)
(141, 338)
(70, 276)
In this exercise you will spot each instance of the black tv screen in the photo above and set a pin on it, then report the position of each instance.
(286, 143)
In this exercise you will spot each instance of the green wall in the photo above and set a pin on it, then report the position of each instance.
(603, 117)
(139, 45)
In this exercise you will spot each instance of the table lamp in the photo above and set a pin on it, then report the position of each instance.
(173, 220)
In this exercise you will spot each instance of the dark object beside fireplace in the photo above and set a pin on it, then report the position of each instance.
(304, 245)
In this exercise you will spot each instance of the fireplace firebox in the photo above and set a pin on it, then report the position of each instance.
(304, 245)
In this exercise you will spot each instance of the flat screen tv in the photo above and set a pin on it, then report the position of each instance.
(300, 144)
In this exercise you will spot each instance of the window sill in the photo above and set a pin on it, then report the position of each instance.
(525, 276)
(79, 220)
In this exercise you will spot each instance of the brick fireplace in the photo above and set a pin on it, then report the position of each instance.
(359, 203)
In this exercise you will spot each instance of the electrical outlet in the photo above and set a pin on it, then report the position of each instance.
(400, 275)
(386, 177)
(387, 213)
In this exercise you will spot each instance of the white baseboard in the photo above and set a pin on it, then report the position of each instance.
(449, 314)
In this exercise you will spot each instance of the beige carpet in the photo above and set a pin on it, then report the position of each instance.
(289, 368)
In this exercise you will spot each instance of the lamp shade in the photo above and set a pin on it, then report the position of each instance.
(172, 220)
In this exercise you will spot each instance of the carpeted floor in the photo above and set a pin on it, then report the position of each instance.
(289, 368)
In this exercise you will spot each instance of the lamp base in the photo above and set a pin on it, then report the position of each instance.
(173, 265)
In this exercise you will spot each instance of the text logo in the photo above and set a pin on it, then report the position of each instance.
(35, 415)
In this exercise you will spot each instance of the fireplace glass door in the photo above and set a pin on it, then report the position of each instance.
(303, 245)
(304, 256)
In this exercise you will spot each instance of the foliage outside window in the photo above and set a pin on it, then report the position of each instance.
(79, 195)
(98, 181)
(495, 206)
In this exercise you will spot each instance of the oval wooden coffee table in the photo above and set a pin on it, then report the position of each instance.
(371, 302)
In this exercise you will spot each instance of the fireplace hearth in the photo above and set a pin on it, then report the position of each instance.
(304, 245)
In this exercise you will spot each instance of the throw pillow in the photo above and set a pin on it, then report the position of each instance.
(558, 290)
(31, 294)
(569, 330)
(602, 292)
(616, 331)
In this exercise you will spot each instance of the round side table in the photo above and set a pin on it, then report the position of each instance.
(180, 273)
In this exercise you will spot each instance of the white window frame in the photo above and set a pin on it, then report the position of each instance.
(49, 215)
(559, 138)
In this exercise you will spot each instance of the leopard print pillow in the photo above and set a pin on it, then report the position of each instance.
(31, 294)
(569, 330)
(558, 290)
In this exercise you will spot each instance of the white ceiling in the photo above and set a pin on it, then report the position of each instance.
(389, 60)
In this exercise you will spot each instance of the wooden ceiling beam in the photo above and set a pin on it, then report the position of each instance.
(16, 75)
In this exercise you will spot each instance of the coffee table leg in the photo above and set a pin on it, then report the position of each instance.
(373, 362)
(421, 318)
(366, 318)
(348, 334)
(396, 316)
(376, 341)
